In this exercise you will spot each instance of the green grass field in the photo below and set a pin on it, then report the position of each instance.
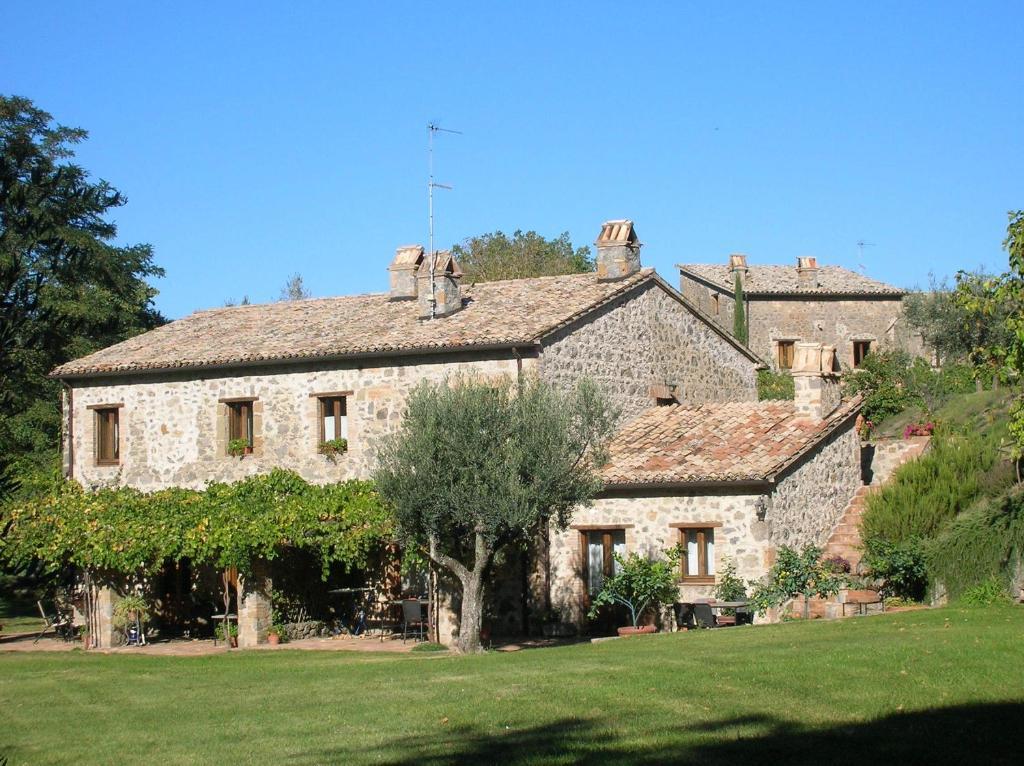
(940, 686)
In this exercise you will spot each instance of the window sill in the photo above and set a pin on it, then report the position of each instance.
(697, 580)
(107, 463)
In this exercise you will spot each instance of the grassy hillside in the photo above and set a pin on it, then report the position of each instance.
(954, 516)
(936, 686)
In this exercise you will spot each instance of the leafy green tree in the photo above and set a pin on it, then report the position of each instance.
(939, 314)
(739, 312)
(490, 257)
(796, 574)
(65, 288)
(482, 464)
(640, 584)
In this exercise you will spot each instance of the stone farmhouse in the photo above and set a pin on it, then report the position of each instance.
(698, 459)
(806, 302)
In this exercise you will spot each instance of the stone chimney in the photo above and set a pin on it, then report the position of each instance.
(618, 251)
(446, 296)
(737, 266)
(807, 272)
(816, 380)
(402, 272)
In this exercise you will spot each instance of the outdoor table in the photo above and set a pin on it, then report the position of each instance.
(220, 618)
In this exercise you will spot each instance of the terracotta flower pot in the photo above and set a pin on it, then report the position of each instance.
(273, 639)
(630, 630)
(233, 642)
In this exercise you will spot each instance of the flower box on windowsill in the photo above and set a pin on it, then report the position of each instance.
(239, 448)
(333, 447)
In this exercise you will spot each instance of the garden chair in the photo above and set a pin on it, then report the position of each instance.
(684, 616)
(412, 617)
(704, 616)
(59, 625)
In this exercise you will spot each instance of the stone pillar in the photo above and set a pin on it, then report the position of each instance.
(254, 605)
(106, 636)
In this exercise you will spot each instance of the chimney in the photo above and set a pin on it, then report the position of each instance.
(737, 267)
(618, 251)
(446, 296)
(816, 380)
(402, 272)
(807, 272)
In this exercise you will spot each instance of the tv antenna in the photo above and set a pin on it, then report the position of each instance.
(861, 244)
(432, 128)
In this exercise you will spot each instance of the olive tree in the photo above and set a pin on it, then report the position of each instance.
(479, 464)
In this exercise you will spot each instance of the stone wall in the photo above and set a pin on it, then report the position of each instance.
(809, 501)
(889, 454)
(646, 339)
(832, 321)
(646, 519)
(171, 426)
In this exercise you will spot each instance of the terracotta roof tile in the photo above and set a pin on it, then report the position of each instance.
(832, 280)
(505, 313)
(733, 441)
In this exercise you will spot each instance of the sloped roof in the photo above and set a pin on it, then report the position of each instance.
(768, 280)
(717, 442)
(508, 313)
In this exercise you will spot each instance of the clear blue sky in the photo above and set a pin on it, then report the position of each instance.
(254, 141)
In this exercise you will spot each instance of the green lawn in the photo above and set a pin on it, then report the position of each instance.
(941, 686)
(20, 624)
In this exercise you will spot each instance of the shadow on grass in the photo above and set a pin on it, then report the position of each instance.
(956, 735)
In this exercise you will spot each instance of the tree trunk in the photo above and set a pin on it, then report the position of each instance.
(471, 617)
(472, 590)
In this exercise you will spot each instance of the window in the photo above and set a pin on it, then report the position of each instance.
(785, 354)
(600, 545)
(240, 422)
(108, 436)
(698, 562)
(861, 348)
(714, 303)
(333, 418)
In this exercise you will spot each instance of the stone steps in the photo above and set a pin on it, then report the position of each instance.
(845, 540)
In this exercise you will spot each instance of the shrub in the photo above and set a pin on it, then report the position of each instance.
(730, 587)
(986, 593)
(986, 543)
(775, 385)
(837, 565)
(883, 380)
(900, 566)
(926, 493)
(128, 609)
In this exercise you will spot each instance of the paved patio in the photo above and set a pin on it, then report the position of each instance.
(23, 642)
(181, 647)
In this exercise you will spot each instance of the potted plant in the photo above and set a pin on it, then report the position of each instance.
(334, 447)
(239, 448)
(130, 616)
(639, 584)
(276, 634)
(228, 635)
